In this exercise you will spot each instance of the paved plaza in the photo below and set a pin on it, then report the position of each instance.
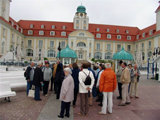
(21, 107)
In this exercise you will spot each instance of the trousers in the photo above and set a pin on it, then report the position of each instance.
(37, 93)
(120, 89)
(75, 96)
(65, 106)
(29, 86)
(134, 88)
(84, 106)
(107, 98)
(125, 96)
(45, 87)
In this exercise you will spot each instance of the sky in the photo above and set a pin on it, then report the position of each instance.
(136, 13)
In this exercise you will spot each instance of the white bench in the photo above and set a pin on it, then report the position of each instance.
(5, 91)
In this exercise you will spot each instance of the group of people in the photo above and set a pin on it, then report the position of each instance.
(69, 81)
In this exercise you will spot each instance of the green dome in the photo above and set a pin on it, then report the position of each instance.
(122, 55)
(81, 9)
(67, 53)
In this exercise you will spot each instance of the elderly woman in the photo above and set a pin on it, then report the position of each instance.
(38, 81)
(67, 91)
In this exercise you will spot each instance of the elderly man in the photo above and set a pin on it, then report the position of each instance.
(107, 85)
(134, 82)
(125, 80)
(29, 76)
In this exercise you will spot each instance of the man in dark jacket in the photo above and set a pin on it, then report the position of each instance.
(38, 81)
(29, 76)
(75, 75)
(59, 77)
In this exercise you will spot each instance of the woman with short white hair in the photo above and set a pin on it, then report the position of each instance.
(67, 93)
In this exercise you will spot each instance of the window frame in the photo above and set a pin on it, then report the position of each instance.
(108, 47)
(129, 37)
(29, 45)
(30, 32)
(119, 48)
(52, 32)
(63, 33)
(98, 35)
(118, 37)
(109, 36)
(41, 31)
(98, 46)
(42, 26)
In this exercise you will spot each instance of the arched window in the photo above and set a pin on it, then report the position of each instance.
(108, 55)
(81, 44)
(29, 52)
(143, 55)
(97, 55)
(2, 49)
(51, 53)
(109, 36)
(149, 54)
(98, 35)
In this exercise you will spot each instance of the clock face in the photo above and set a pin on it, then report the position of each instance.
(81, 14)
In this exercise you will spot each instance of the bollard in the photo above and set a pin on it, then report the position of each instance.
(6, 69)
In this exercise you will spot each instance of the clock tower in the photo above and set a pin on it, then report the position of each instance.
(81, 19)
(5, 9)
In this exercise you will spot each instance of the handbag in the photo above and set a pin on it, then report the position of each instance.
(31, 93)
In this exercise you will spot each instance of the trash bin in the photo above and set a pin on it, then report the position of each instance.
(157, 76)
(6, 69)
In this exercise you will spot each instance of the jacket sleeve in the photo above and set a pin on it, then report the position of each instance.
(101, 82)
(99, 76)
(28, 73)
(119, 72)
(92, 78)
(115, 82)
(126, 75)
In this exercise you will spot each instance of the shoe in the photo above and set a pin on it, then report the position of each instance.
(101, 113)
(119, 98)
(121, 105)
(137, 97)
(60, 116)
(100, 105)
(74, 106)
(131, 97)
(90, 105)
(46, 95)
(127, 103)
(67, 116)
(109, 112)
(97, 100)
(80, 114)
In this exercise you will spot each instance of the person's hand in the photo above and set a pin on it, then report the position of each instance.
(88, 88)
(28, 80)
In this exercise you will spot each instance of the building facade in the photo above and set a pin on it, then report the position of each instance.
(41, 38)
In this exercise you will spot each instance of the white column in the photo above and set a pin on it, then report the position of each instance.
(74, 44)
(69, 60)
(124, 45)
(103, 50)
(45, 54)
(63, 61)
(145, 50)
(155, 42)
(87, 52)
(92, 53)
(34, 49)
(57, 44)
(8, 39)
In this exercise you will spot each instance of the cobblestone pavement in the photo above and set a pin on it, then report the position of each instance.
(147, 107)
(21, 107)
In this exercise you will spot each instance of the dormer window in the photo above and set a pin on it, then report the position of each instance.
(12, 23)
(137, 37)
(117, 30)
(127, 31)
(107, 30)
(150, 32)
(52, 33)
(17, 27)
(118, 36)
(98, 35)
(97, 29)
(143, 35)
(108, 36)
(63, 33)
(30, 32)
(42, 26)
(21, 30)
(64, 27)
(31, 26)
(53, 27)
(128, 37)
(41, 32)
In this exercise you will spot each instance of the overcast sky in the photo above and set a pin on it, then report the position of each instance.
(137, 13)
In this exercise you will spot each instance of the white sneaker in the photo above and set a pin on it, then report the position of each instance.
(46, 95)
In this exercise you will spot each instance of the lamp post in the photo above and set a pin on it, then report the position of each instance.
(155, 53)
(59, 49)
(13, 54)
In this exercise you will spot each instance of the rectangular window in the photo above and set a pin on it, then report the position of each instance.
(51, 44)
(137, 36)
(84, 28)
(97, 29)
(143, 35)
(108, 36)
(128, 47)
(29, 43)
(77, 27)
(41, 32)
(4, 31)
(149, 44)
(136, 47)
(142, 46)
(40, 43)
(31, 26)
(90, 55)
(150, 32)
(98, 46)
(118, 47)
(77, 21)
(63, 33)
(64, 27)
(62, 44)
(90, 45)
(72, 44)
(12, 37)
(108, 46)
(17, 39)
(84, 22)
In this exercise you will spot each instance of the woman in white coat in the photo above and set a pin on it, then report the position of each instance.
(67, 93)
